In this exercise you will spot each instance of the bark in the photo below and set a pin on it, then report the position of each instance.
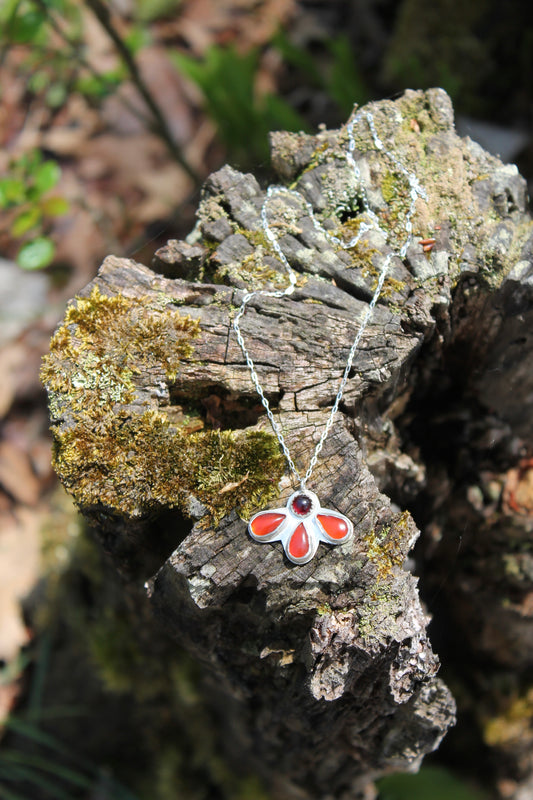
(323, 673)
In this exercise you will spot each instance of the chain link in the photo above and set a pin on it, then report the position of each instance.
(415, 190)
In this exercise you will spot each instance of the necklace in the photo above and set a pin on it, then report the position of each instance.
(303, 523)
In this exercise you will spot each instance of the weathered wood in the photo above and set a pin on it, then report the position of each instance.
(326, 667)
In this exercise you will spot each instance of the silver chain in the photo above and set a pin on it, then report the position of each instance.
(415, 190)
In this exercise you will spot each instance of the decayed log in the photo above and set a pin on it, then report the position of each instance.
(324, 670)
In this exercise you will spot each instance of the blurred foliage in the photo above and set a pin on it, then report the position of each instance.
(438, 47)
(149, 10)
(33, 762)
(431, 782)
(227, 80)
(481, 54)
(24, 194)
(54, 61)
(40, 767)
(341, 80)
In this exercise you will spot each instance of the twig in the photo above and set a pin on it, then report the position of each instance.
(160, 124)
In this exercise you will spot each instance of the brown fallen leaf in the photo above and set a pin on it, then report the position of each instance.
(20, 551)
(11, 357)
(16, 474)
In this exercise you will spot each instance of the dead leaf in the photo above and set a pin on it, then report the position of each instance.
(16, 474)
(20, 550)
(10, 359)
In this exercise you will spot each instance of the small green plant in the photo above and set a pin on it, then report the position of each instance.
(33, 763)
(227, 80)
(341, 80)
(56, 66)
(29, 206)
(54, 62)
(43, 765)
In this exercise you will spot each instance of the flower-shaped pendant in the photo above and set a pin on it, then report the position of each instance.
(300, 526)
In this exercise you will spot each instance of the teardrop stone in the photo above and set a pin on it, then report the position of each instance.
(299, 543)
(336, 527)
(266, 523)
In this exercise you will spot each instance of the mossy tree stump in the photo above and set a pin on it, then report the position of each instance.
(323, 673)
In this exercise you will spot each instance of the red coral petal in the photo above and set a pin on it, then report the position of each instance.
(335, 527)
(299, 544)
(266, 523)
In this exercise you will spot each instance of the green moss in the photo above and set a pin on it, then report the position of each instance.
(317, 158)
(387, 548)
(256, 238)
(389, 187)
(105, 341)
(116, 652)
(361, 258)
(134, 462)
(349, 228)
(253, 271)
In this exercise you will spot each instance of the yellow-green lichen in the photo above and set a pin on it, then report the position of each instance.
(387, 547)
(317, 157)
(131, 460)
(256, 237)
(104, 341)
(253, 270)
(390, 187)
(361, 258)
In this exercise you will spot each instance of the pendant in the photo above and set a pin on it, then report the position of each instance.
(301, 526)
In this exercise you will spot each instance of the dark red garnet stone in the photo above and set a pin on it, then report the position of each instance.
(301, 504)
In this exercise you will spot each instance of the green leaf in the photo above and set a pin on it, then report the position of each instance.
(137, 38)
(34, 777)
(47, 765)
(46, 176)
(39, 81)
(28, 162)
(227, 80)
(36, 254)
(25, 26)
(150, 10)
(12, 192)
(298, 57)
(345, 83)
(54, 206)
(99, 86)
(91, 86)
(25, 221)
(56, 95)
(8, 9)
(281, 116)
